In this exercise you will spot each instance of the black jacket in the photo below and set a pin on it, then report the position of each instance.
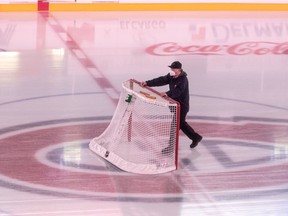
(178, 88)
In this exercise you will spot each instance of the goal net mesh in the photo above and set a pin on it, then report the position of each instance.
(143, 125)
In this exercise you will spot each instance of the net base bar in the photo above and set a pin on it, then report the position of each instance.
(126, 165)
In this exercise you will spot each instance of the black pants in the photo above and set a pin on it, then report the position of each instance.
(184, 126)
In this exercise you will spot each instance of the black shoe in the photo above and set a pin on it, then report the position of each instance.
(196, 141)
(167, 150)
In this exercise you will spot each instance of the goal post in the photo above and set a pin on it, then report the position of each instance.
(144, 124)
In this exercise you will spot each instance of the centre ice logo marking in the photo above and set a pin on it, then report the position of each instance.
(70, 156)
(30, 142)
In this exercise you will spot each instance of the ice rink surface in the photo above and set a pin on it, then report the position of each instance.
(60, 80)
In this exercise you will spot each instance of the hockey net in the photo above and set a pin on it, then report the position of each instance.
(144, 123)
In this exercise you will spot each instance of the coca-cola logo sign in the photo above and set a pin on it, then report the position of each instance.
(243, 48)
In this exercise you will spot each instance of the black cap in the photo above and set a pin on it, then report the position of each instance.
(175, 65)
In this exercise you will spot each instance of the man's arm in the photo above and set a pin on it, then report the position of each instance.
(160, 81)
